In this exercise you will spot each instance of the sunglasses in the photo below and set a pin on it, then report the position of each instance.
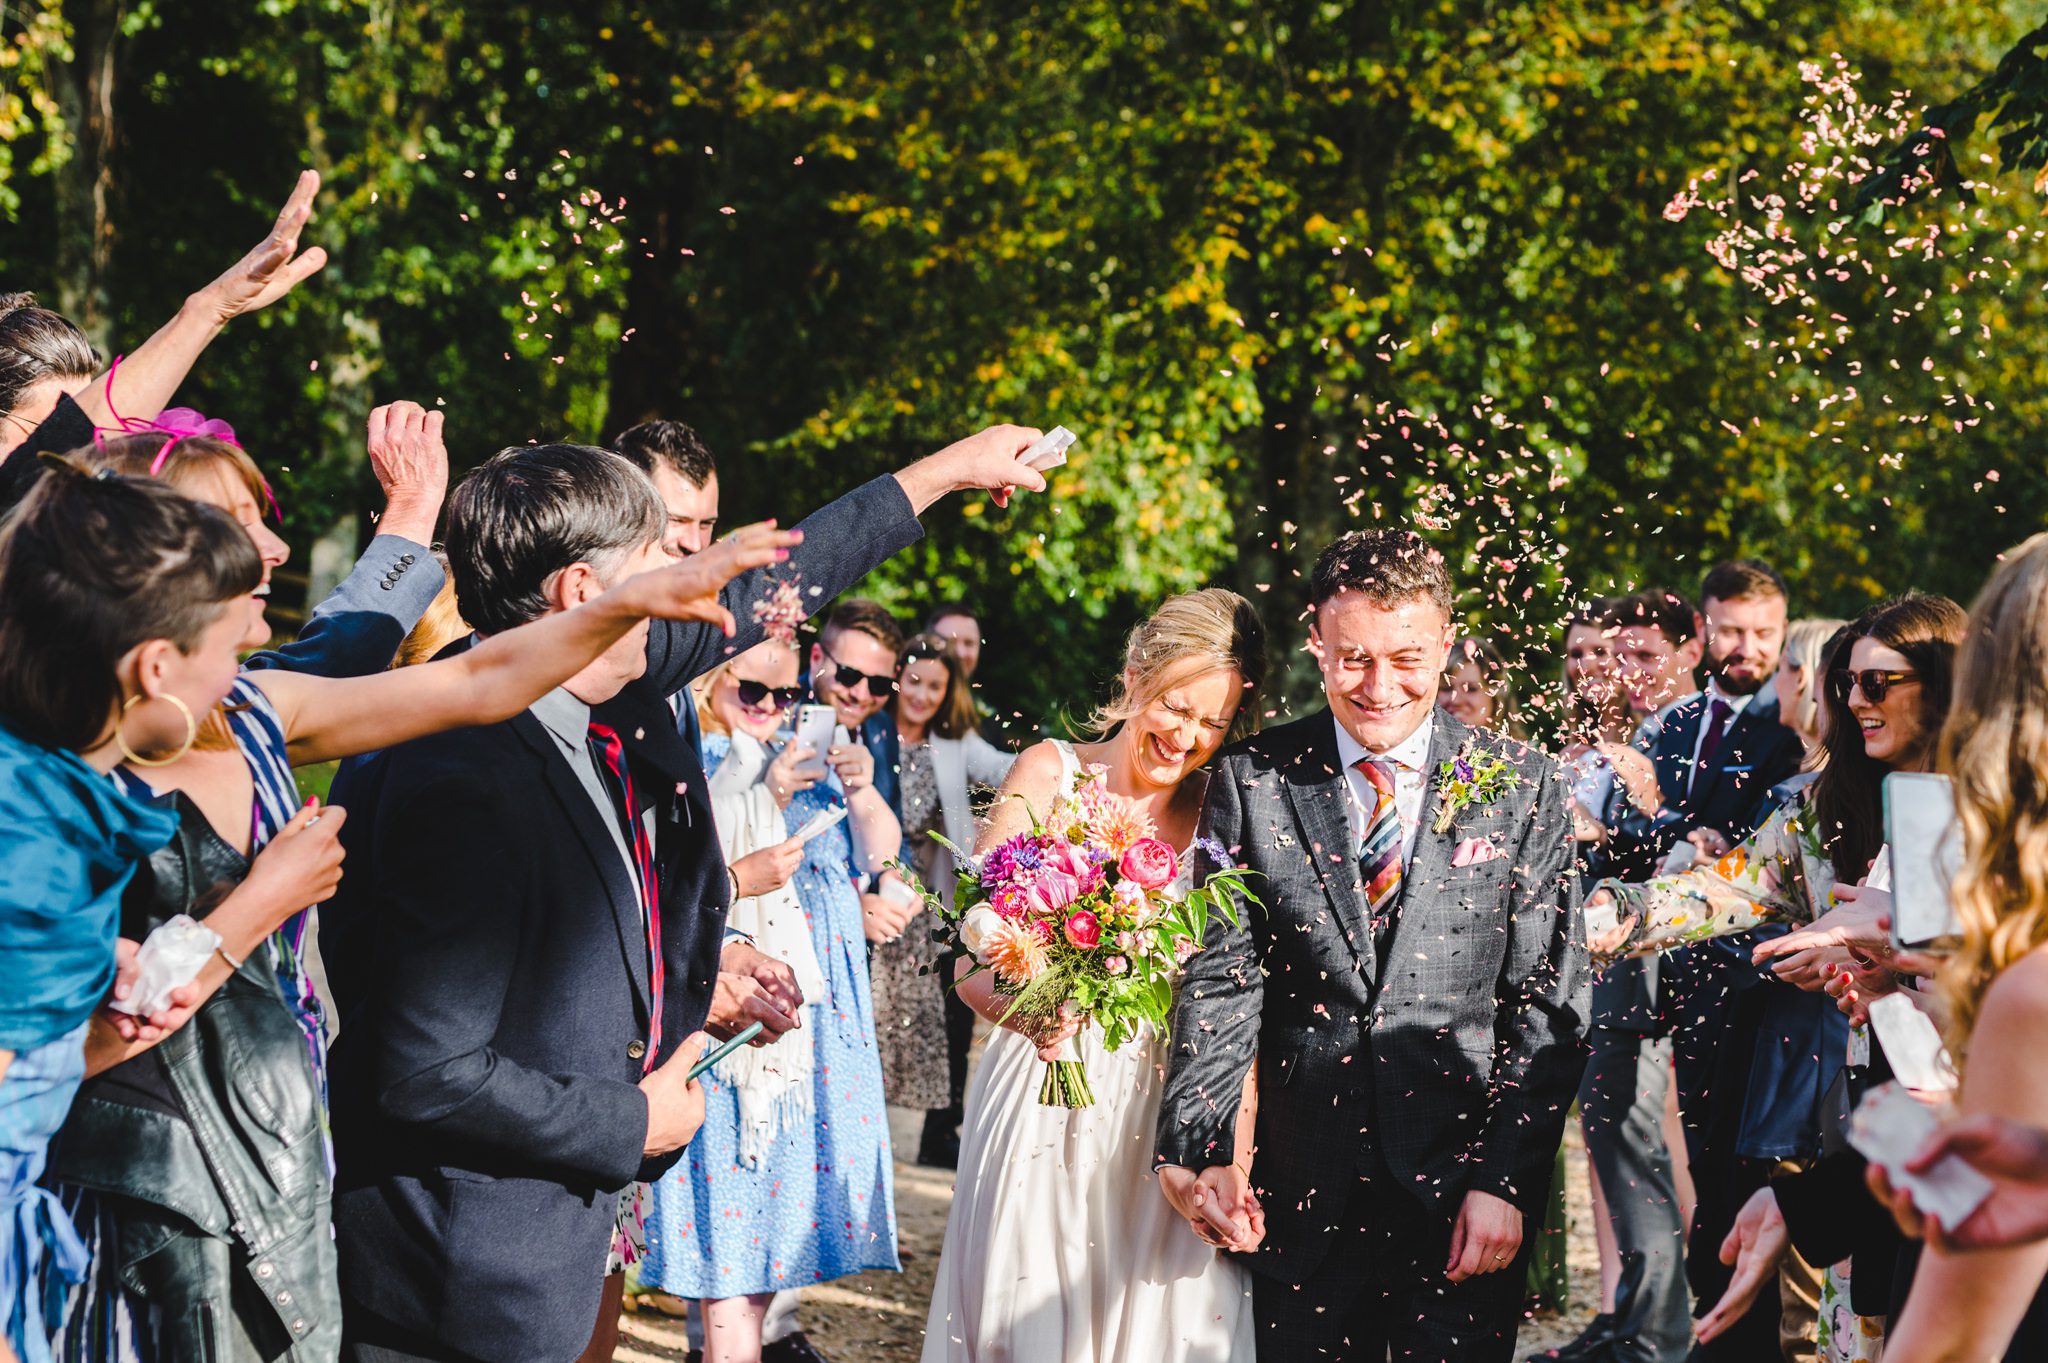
(1872, 682)
(850, 677)
(754, 694)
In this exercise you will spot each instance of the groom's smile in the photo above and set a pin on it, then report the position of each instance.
(1381, 662)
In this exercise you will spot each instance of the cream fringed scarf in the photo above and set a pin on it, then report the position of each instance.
(773, 1082)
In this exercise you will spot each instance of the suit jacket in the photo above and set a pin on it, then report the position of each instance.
(1473, 1026)
(489, 962)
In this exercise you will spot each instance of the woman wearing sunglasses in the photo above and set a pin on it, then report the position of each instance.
(785, 1184)
(1887, 682)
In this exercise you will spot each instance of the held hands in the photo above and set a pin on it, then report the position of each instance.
(1485, 1237)
(411, 463)
(1218, 1205)
(689, 588)
(271, 270)
(675, 1105)
(769, 868)
(1755, 1245)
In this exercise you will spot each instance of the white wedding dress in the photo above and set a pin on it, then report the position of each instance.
(1060, 1245)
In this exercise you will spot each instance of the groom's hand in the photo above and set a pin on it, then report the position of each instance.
(1217, 1203)
(1485, 1237)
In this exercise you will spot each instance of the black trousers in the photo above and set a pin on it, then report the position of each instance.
(1380, 1293)
(367, 1338)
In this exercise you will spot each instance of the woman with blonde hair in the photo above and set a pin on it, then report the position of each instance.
(1995, 749)
(1059, 1245)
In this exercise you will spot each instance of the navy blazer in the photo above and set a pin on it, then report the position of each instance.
(489, 967)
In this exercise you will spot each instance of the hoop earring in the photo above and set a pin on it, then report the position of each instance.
(191, 733)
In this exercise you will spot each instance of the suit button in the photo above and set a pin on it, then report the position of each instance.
(636, 1050)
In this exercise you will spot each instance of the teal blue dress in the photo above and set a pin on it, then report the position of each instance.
(822, 1203)
(69, 842)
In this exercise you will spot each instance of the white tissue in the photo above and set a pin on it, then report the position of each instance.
(169, 958)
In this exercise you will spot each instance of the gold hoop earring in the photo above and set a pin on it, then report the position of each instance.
(136, 758)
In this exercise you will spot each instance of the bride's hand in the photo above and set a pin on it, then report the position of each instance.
(1049, 1034)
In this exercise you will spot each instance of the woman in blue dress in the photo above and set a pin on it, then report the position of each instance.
(789, 1182)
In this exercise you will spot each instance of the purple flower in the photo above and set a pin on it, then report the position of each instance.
(1462, 769)
(1007, 860)
(1218, 854)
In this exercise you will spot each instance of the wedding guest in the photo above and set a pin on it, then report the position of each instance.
(678, 462)
(43, 356)
(1990, 1303)
(1797, 683)
(761, 1205)
(1478, 689)
(944, 756)
(497, 1092)
(121, 608)
(439, 626)
(1888, 693)
(956, 625)
(140, 385)
(853, 670)
(1627, 1106)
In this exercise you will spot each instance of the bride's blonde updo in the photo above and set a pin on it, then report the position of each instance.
(1190, 634)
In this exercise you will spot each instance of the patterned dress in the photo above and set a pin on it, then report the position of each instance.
(822, 1203)
(910, 1007)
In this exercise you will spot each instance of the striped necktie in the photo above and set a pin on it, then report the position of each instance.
(611, 754)
(1379, 851)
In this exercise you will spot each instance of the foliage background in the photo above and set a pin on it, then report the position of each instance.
(1287, 266)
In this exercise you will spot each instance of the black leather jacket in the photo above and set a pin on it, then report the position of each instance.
(208, 1153)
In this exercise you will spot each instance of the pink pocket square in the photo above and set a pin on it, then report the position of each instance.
(1474, 851)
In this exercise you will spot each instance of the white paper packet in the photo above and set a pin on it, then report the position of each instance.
(169, 957)
(1889, 1127)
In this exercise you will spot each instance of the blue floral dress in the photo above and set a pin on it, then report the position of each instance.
(822, 1203)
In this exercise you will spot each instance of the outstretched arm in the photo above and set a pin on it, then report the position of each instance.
(845, 541)
(326, 718)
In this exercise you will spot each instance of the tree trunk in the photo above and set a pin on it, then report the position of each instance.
(85, 225)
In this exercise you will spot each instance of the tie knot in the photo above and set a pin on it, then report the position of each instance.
(607, 740)
(1379, 772)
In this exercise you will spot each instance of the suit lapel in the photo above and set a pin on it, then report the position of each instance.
(1431, 861)
(585, 818)
(1738, 747)
(1317, 790)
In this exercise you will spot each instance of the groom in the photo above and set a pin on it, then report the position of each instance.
(1412, 985)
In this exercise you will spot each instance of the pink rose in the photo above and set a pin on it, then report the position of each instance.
(1010, 901)
(1151, 863)
(1068, 859)
(1084, 930)
(1039, 929)
(1051, 891)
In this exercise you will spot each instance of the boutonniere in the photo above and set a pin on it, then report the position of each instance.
(1471, 779)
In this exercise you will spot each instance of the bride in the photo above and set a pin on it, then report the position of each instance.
(1059, 1245)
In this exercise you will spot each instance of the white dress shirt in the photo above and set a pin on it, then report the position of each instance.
(1411, 782)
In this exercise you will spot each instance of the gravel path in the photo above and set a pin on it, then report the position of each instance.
(879, 1317)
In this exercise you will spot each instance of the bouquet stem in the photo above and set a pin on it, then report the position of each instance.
(1065, 1085)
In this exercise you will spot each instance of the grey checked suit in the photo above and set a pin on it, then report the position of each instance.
(1387, 1087)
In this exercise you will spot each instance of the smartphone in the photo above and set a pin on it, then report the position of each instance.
(724, 1049)
(814, 725)
(1926, 847)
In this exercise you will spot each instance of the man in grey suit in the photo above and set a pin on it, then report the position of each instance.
(1412, 984)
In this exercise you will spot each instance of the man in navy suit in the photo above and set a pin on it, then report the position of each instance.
(535, 920)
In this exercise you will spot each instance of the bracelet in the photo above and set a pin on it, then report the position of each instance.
(233, 964)
(733, 877)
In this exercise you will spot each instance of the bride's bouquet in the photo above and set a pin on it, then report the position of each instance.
(1087, 915)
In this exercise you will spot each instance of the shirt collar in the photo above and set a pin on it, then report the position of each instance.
(1736, 704)
(564, 716)
(1410, 754)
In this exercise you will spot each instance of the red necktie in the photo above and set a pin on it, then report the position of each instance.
(612, 752)
(1710, 741)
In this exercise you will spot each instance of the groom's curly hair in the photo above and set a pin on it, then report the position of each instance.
(1385, 566)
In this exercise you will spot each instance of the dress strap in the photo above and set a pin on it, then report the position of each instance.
(1070, 765)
